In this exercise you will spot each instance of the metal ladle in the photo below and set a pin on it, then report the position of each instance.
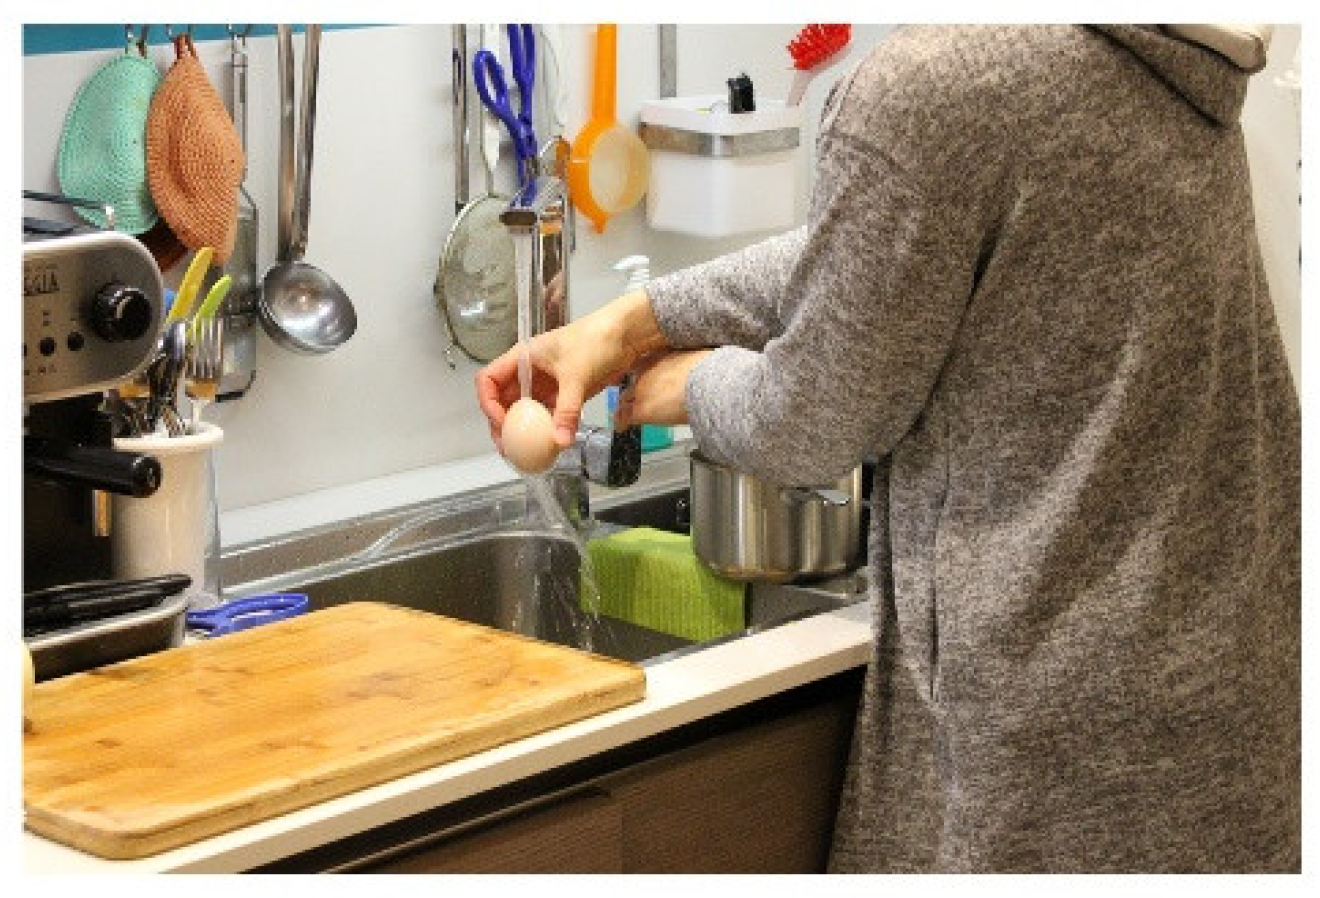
(300, 306)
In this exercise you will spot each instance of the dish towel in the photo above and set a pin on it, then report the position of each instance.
(653, 579)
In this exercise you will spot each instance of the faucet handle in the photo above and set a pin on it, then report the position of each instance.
(607, 457)
(622, 462)
(613, 457)
(598, 455)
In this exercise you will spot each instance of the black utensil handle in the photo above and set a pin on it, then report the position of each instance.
(165, 585)
(87, 608)
(95, 467)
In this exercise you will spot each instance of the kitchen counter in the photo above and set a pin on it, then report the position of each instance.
(680, 690)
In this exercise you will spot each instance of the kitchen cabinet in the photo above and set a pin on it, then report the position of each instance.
(579, 833)
(753, 790)
(759, 799)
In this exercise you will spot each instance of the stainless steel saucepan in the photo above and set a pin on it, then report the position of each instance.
(747, 528)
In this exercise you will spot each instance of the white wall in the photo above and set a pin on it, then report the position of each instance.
(1271, 121)
(382, 203)
(387, 402)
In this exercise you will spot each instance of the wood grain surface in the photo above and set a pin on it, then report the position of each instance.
(149, 754)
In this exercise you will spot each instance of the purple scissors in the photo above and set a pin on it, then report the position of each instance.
(489, 76)
(241, 614)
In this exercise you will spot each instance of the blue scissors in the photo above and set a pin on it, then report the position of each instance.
(489, 76)
(241, 614)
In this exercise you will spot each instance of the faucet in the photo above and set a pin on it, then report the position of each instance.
(539, 212)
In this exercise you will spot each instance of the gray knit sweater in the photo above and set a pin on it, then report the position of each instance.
(1030, 282)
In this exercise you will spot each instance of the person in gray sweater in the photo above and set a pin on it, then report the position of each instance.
(1030, 284)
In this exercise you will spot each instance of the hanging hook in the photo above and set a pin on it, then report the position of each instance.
(169, 31)
(238, 36)
(140, 40)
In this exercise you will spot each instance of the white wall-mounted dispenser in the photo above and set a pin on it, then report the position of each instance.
(715, 173)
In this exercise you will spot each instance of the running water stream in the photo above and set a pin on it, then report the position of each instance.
(522, 267)
(582, 594)
(578, 594)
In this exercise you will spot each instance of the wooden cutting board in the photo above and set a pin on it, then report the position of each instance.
(149, 754)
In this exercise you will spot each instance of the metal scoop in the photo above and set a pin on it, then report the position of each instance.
(300, 306)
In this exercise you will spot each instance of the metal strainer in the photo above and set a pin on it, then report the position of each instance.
(475, 286)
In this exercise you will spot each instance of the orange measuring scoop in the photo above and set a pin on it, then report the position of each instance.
(609, 167)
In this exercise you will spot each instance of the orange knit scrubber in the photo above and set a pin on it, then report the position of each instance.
(194, 156)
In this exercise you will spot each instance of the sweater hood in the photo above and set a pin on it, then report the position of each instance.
(1196, 65)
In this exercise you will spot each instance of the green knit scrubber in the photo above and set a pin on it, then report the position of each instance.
(653, 579)
(102, 153)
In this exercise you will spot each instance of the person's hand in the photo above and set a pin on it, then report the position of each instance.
(657, 395)
(568, 364)
(571, 363)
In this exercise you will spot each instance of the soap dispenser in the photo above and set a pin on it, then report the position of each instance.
(637, 271)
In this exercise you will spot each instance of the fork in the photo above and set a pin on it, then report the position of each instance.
(206, 342)
(203, 372)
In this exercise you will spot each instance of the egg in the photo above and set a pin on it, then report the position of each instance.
(528, 436)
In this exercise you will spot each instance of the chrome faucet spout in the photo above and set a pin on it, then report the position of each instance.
(543, 197)
(539, 212)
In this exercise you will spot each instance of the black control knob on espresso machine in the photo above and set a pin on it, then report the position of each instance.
(120, 312)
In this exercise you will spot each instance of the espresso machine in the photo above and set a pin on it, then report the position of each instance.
(92, 313)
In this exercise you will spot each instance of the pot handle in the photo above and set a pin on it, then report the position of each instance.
(823, 495)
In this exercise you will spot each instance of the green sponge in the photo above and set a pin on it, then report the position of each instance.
(652, 578)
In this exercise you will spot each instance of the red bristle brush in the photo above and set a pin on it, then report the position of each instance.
(816, 48)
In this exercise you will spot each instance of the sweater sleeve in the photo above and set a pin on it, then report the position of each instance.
(741, 296)
(884, 272)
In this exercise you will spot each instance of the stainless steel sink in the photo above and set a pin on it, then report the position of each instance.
(477, 558)
(518, 581)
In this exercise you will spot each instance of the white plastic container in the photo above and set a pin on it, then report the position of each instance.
(715, 173)
(176, 529)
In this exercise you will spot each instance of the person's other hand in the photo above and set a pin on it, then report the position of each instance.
(657, 395)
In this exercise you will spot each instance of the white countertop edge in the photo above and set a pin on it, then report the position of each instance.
(679, 691)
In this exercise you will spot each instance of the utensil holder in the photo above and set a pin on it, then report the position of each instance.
(715, 173)
(176, 529)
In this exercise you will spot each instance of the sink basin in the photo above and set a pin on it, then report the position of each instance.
(477, 559)
(663, 509)
(517, 581)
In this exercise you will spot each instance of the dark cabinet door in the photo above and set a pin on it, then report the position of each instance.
(580, 833)
(754, 790)
(758, 800)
